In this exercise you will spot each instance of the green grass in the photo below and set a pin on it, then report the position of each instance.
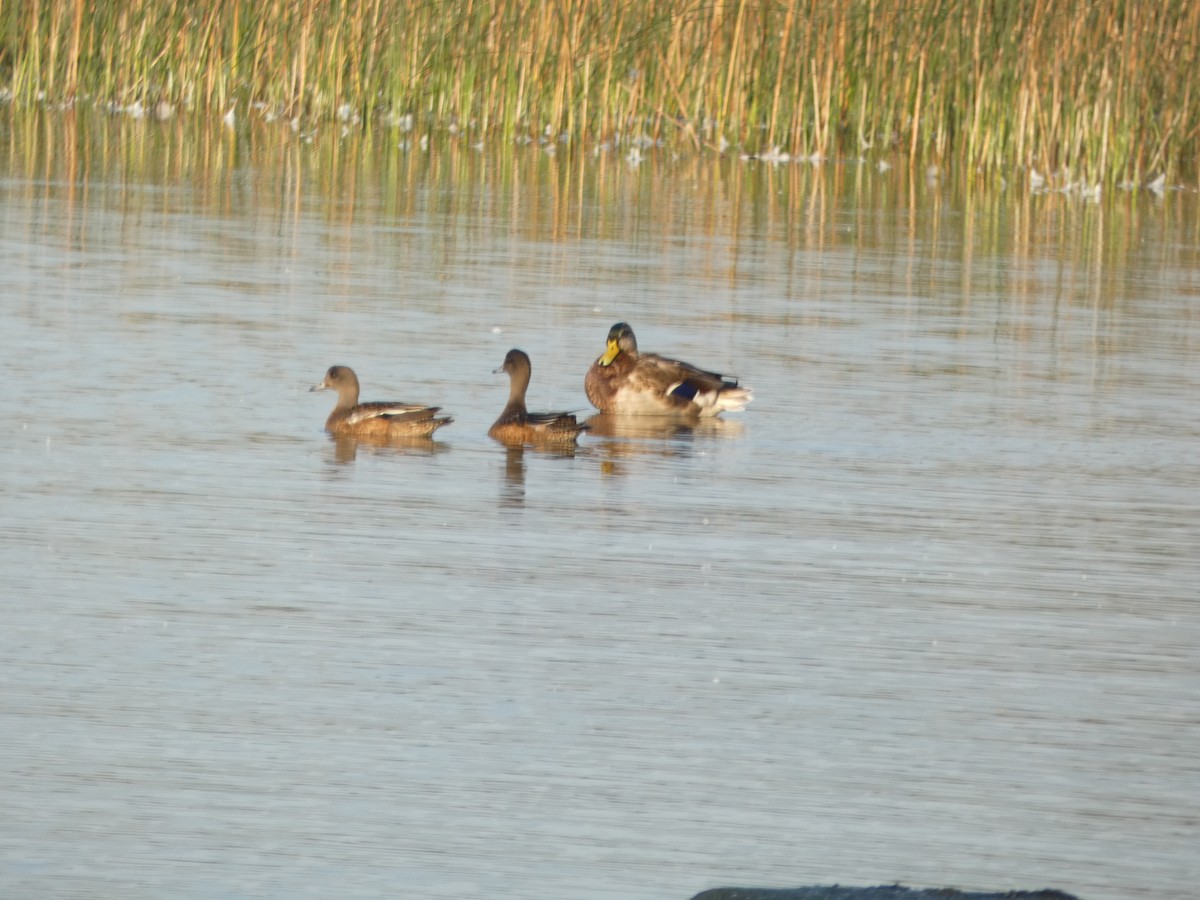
(1099, 93)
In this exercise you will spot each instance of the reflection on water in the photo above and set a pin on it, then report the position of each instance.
(651, 431)
(659, 428)
(514, 477)
(660, 436)
(347, 447)
(515, 467)
(924, 612)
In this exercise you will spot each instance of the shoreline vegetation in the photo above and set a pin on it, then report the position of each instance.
(1074, 97)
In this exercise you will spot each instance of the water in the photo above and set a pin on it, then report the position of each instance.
(926, 612)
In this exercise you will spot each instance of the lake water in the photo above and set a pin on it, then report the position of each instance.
(926, 612)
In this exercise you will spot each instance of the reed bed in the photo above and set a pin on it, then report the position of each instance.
(1102, 92)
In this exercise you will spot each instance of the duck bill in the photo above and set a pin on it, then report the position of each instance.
(319, 387)
(610, 353)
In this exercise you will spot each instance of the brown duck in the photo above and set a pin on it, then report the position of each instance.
(378, 419)
(517, 425)
(626, 382)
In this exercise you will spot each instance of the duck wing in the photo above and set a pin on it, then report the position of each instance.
(396, 411)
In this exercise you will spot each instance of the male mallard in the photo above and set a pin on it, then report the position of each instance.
(632, 383)
(516, 424)
(380, 420)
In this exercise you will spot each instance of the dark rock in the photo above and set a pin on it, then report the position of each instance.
(893, 892)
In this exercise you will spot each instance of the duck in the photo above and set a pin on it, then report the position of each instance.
(516, 424)
(626, 382)
(378, 419)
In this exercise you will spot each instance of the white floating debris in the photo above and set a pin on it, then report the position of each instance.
(1158, 185)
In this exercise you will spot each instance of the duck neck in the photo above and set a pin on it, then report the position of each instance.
(347, 397)
(516, 393)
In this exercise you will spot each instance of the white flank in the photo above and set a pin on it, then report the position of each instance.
(398, 409)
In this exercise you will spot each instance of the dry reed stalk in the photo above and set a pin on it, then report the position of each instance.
(1105, 91)
(785, 40)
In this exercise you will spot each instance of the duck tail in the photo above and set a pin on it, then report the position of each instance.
(731, 399)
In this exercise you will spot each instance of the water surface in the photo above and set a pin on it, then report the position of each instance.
(926, 612)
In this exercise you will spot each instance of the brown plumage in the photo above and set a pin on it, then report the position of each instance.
(517, 425)
(378, 420)
(626, 382)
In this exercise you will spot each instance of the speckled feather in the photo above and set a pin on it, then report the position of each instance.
(624, 381)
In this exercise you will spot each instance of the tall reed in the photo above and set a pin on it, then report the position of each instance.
(1103, 90)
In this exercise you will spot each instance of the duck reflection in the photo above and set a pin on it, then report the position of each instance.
(665, 436)
(611, 425)
(512, 493)
(347, 446)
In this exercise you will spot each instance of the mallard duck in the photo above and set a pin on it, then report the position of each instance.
(516, 424)
(631, 383)
(379, 420)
